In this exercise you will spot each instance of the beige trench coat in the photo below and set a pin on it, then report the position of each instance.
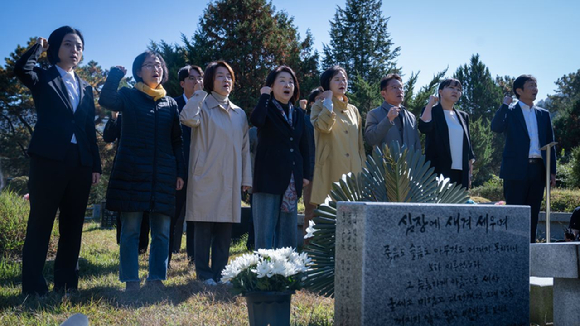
(219, 161)
(339, 145)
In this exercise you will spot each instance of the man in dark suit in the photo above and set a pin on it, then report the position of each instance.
(527, 128)
(64, 158)
(191, 80)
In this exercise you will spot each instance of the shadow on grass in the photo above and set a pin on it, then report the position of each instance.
(113, 296)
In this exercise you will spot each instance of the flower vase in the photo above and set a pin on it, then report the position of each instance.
(269, 308)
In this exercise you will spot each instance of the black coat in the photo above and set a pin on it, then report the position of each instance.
(56, 121)
(150, 156)
(437, 148)
(281, 149)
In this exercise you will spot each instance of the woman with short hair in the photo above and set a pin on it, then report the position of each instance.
(282, 160)
(64, 157)
(337, 134)
(219, 168)
(447, 142)
(149, 166)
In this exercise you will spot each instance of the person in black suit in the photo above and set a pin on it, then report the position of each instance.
(282, 161)
(191, 80)
(527, 128)
(64, 158)
(447, 142)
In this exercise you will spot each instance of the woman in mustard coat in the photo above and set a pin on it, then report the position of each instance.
(337, 134)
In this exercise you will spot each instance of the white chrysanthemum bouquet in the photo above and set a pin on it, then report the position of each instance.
(274, 270)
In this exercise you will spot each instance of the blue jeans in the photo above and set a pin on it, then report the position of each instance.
(129, 256)
(273, 228)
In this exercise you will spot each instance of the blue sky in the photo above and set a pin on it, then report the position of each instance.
(511, 37)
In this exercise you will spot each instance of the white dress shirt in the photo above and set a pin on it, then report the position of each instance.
(72, 88)
(532, 126)
(455, 139)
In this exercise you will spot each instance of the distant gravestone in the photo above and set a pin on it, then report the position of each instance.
(423, 264)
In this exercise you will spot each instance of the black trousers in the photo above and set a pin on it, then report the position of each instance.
(218, 237)
(529, 191)
(176, 226)
(143, 236)
(456, 176)
(55, 185)
(190, 240)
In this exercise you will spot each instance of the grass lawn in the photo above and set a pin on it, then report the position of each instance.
(185, 301)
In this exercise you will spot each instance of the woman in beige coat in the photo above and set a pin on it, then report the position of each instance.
(219, 170)
(337, 134)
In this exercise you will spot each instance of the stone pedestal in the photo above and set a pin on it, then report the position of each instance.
(419, 264)
(560, 261)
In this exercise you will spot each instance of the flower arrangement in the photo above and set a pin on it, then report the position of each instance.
(272, 270)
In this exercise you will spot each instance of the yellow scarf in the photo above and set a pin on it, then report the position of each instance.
(156, 93)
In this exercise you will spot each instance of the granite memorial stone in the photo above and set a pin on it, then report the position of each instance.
(425, 264)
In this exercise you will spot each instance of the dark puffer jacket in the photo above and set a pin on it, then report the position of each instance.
(150, 156)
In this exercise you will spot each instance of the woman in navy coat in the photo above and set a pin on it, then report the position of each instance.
(148, 168)
(282, 160)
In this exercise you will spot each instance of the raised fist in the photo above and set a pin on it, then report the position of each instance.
(122, 69)
(327, 94)
(433, 100)
(43, 43)
(266, 90)
(507, 100)
(393, 113)
(303, 104)
(198, 86)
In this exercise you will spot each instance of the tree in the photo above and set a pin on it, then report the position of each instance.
(359, 41)
(567, 92)
(416, 102)
(481, 96)
(17, 116)
(253, 38)
(567, 127)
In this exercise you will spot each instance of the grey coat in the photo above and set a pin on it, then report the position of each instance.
(379, 130)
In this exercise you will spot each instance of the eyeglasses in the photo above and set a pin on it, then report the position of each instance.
(152, 66)
(195, 78)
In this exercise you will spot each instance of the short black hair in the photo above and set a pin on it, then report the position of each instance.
(385, 80)
(55, 41)
(520, 82)
(328, 74)
(272, 77)
(313, 94)
(450, 82)
(209, 74)
(184, 72)
(138, 64)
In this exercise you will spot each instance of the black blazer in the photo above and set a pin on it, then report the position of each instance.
(281, 149)
(437, 149)
(56, 121)
(517, 141)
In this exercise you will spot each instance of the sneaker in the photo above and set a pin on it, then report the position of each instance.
(210, 282)
(132, 286)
